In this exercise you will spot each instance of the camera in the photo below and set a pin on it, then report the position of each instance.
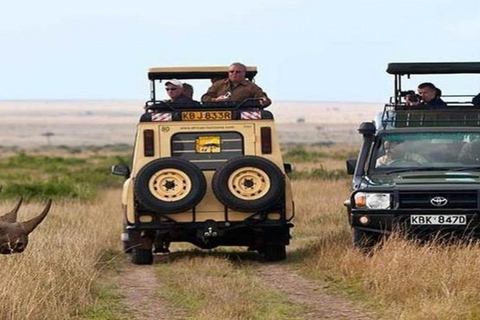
(413, 97)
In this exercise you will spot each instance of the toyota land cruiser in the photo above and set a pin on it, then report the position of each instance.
(418, 169)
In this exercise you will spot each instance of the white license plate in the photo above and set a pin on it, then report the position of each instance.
(442, 219)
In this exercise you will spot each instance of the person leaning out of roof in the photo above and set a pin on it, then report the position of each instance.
(174, 90)
(235, 88)
(429, 96)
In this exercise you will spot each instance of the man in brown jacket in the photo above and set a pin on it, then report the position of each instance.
(235, 88)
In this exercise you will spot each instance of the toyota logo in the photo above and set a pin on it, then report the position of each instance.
(438, 201)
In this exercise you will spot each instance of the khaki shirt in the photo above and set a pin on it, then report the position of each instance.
(242, 91)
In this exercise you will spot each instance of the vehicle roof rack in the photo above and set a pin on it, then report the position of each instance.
(407, 68)
(397, 117)
(211, 72)
(251, 103)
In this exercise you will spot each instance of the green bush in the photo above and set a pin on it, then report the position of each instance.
(301, 154)
(45, 177)
(319, 173)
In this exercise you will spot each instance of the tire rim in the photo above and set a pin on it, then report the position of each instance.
(170, 185)
(249, 183)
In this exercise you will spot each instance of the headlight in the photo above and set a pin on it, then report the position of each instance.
(372, 200)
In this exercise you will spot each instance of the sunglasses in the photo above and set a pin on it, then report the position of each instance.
(170, 89)
(234, 71)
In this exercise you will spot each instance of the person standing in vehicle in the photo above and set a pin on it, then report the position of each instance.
(188, 90)
(235, 88)
(429, 96)
(174, 90)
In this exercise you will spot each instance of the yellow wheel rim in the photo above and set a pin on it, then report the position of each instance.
(170, 185)
(249, 183)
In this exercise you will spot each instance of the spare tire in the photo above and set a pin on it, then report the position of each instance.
(170, 185)
(249, 184)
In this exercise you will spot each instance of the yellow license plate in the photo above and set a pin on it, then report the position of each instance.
(209, 144)
(206, 115)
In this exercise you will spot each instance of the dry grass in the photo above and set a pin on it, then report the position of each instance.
(404, 278)
(215, 287)
(53, 278)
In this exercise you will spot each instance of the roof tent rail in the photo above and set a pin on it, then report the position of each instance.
(408, 68)
(195, 73)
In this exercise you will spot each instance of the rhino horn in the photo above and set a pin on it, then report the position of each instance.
(12, 215)
(30, 225)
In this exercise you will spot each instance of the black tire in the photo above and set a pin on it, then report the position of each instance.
(249, 184)
(142, 256)
(365, 240)
(275, 252)
(170, 185)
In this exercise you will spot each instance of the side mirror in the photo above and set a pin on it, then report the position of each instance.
(121, 170)
(351, 164)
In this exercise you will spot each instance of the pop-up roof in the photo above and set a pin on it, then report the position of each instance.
(194, 73)
(406, 68)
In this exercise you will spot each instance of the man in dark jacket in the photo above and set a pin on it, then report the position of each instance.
(174, 90)
(429, 97)
(235, 88)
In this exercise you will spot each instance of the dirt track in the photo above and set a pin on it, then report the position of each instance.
(318, 304)
(141, 290)
(139, 287)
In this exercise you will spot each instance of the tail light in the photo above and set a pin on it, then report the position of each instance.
(266, 140)
(148, 143)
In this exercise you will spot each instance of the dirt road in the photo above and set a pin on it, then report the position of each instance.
(141, 290)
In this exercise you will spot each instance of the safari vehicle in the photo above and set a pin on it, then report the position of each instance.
(431, 184)
(207, 174)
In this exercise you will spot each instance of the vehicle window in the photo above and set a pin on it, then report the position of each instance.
(441, 149)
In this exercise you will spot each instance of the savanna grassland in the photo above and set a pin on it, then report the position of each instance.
(70, 269)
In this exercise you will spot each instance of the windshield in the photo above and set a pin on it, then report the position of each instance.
(439, 150)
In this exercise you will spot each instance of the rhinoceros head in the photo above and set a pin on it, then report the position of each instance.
(13, 234)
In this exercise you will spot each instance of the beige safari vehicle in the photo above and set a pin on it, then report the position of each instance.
(208, 174)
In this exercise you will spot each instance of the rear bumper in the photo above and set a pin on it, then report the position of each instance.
(210, 234)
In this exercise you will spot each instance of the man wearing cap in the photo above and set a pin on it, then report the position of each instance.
(235, 88)
(174, 90)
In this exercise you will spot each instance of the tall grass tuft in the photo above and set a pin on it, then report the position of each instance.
(53, 278)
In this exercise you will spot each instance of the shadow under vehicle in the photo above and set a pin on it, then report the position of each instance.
(209, 174)
(418, 169)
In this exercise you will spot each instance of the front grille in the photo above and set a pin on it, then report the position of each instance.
(230, 146)
(460, 199)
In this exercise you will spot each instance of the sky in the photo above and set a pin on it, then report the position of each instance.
(309, 50)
